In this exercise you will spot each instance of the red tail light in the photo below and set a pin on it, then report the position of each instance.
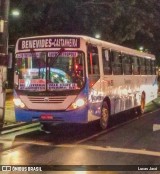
(46, 117)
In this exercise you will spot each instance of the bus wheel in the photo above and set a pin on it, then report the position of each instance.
(142, 102)
(104, 115)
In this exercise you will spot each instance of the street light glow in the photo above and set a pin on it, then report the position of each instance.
(141, 48)
(15, 13)
(97, 36)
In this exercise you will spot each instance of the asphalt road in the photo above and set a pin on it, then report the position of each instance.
(81, 149)
(130, 143)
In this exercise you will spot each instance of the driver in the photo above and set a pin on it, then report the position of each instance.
(76, 78)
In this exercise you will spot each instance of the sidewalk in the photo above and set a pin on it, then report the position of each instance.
(10, 123)
(9, 118)
(9, 108)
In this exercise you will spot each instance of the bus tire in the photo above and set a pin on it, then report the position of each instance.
(104, 115)
(143, 100)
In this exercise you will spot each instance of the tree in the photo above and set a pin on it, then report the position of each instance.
(126, 22)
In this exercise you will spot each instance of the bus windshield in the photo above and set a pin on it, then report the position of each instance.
(50, 71)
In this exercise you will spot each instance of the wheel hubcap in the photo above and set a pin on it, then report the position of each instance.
(104, 117)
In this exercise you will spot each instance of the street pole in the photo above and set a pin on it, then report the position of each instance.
(4, 12)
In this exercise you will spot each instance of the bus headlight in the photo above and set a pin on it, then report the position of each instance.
(80, 102)
(18, 102)
(77, 104)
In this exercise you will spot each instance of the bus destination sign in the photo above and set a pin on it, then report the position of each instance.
(52, 42)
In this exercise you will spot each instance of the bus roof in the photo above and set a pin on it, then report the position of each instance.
(101, 43)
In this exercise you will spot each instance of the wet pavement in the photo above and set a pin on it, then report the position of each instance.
(134, 143)
(9, 119)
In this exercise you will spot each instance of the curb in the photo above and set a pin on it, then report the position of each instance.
(18, 126)
(13, 125)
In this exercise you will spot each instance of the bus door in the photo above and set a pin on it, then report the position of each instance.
(93, 64)
(95, 88)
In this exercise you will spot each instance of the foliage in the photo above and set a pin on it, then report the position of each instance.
(127, 22)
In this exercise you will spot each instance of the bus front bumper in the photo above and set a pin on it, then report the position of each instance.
(74, 116)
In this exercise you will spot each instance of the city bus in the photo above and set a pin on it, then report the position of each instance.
(63, 79)
(3, 82)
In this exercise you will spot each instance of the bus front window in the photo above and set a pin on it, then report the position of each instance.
(30, 71)
(65, 72)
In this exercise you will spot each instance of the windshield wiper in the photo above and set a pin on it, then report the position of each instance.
(56, 56)
(53, 61)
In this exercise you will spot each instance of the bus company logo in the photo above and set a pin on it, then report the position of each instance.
(46, 99)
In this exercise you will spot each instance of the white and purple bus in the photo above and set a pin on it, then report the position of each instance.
(77, 79)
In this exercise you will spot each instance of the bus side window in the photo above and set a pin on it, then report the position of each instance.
(136, 65)
(148, 66)
(153, 67)
(127, 64)
(107, 68)
(142, 66)
(93, 61)
(117, 63)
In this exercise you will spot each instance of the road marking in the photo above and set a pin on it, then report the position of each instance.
(90, 147)
(115, 127)
(156, 127)
(113, 149)
(105, 131)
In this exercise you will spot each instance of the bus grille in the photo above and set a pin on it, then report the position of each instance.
(48, 99)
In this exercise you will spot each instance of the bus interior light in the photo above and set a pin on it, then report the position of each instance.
(76, 66)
